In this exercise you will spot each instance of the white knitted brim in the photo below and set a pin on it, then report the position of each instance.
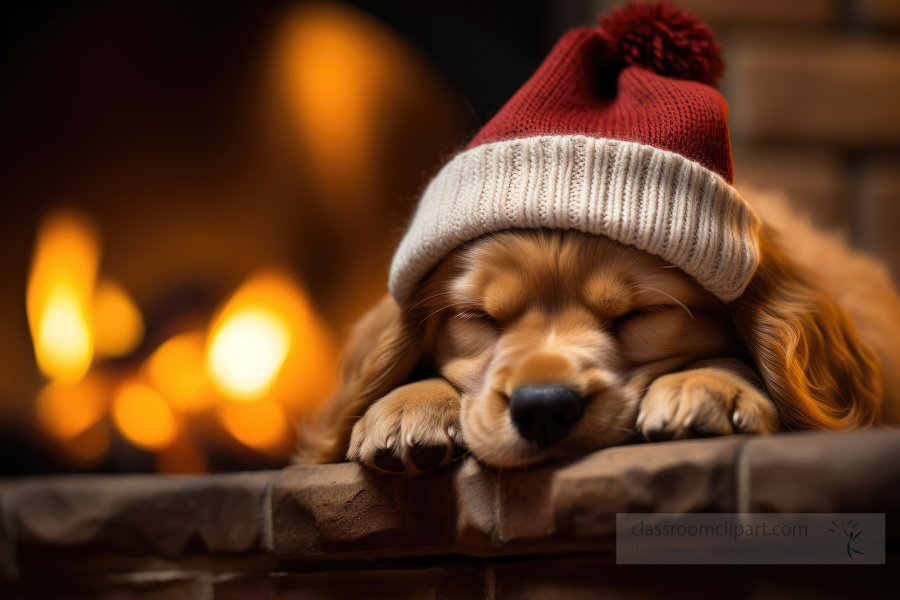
(657, 201)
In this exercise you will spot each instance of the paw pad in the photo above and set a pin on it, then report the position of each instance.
(427, 457)
(386, 461)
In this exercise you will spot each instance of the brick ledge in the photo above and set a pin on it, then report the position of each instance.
(260, 522)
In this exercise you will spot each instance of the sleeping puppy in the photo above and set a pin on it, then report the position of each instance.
(532, 344)
(585, 275)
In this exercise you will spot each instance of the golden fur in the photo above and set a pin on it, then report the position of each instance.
(653, 355)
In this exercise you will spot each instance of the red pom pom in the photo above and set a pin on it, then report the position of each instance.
(672, 41)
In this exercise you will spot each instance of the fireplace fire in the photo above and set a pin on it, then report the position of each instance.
(197, 213)
(265, 360)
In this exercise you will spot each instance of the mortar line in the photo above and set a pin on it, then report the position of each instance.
(742, 477)
(267, 532)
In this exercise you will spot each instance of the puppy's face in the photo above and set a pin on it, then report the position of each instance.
(552, 337)
(553, 342)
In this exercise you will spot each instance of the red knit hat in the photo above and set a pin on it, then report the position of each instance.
(618, 133)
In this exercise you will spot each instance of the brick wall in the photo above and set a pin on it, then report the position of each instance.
(814, 92)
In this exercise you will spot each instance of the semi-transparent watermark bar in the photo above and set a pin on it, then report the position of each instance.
(750, 538)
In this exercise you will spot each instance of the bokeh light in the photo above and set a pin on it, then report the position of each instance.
(247, 352)
(118, 324)
(176, 370)
(143, 416)
(59, 296)
(268, 341)
(261, 425)
(65, 410)
(336, 67)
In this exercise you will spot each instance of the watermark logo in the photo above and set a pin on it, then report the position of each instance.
(749, 538)
(851, 533)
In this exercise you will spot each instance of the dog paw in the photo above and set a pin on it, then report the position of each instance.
(411, 430)
(703, 403)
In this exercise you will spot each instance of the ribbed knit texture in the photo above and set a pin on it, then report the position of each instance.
(638, 157)
(652, 199)
(562, 98)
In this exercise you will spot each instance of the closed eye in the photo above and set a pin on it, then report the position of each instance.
(644, 310)
(474, 315)
(638, 312)
(677, 301)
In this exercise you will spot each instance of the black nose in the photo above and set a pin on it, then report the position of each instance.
(544, 413)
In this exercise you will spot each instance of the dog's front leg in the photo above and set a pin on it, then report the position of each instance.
(411, 430)
(706, 398)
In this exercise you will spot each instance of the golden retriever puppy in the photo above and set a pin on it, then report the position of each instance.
(585, 274)
(525, 345)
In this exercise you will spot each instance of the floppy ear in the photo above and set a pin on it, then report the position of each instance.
(385, 349)
(818, 371)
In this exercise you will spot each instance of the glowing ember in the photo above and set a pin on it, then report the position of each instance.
(260, 425)
(65, 410)
(143, 416)
(59, 294)
(248, 351)
(176, 369)
(118, 325)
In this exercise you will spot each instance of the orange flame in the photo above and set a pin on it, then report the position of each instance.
(261, 425)
(118, 324)
(143, 416)
(59, 296)
(176, 369)
(267, 340)
(248, 350)
(335, 69)
(65, 410)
